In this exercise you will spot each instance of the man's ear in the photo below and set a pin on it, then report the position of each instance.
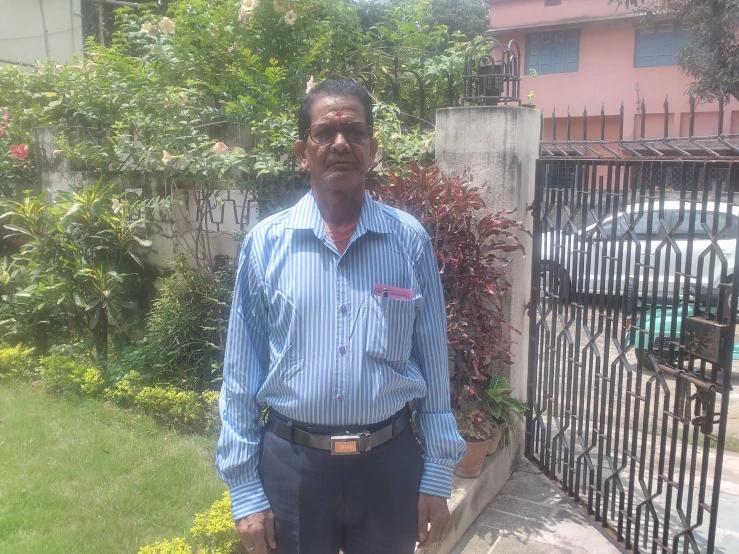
(300, 153)
(373, 150)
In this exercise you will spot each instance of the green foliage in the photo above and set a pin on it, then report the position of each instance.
(174, 546)
(214, 531)
(711, 57)
(16, 361)
(80, 265)
(125, 391)
(71, 375)
(157, 97)
(503, 407)
(187, 326)
(170, 406)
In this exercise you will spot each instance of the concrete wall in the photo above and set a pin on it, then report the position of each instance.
(499, 147)
(22, 37)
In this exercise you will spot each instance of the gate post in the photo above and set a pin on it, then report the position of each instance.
(498, 147)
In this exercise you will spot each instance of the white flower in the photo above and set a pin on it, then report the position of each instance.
(220, 148)
(149, 28)
(309, 85)
(167, 158)
(280, 6)
(167, 26)
(245, 16)
(117, 205)
(238, 151)
(249, 5)
(90, 65)
(181, 98)
(291, 17)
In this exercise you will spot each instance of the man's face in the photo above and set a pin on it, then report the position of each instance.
(340, 166)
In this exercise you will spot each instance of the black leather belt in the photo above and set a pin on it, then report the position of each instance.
(340, 442)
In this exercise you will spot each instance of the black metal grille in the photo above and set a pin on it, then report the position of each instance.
(632, 331)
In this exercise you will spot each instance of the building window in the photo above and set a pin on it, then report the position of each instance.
(556, 52)
(658, 45)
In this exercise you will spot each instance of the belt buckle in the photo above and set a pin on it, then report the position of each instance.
(344, 445)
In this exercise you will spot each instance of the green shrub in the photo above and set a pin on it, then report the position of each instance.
(124, 392)
(71, 375)
(214, 530)
(211, 415)
(175, 546)
(16, 361)
(186, 329)
(171, 406)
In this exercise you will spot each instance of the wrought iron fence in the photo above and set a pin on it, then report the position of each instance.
(633, 317)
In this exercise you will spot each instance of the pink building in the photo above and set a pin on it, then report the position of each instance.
(589, 53)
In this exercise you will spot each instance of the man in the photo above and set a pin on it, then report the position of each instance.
(338, 322)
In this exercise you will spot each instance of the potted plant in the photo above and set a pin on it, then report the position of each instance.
(478, 428)
(503, 408)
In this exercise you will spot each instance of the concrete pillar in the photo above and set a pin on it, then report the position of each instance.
(498, 147)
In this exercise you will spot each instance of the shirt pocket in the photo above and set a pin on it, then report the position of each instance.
(389, 328)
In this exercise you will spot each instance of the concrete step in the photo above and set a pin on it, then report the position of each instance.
(530, 516)
(471, 496)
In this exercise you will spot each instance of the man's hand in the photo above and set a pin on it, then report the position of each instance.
(433, 510)
(257, 532)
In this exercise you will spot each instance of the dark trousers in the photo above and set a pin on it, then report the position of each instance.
(361, 504)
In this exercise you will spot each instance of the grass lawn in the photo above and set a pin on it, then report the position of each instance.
(79, 478)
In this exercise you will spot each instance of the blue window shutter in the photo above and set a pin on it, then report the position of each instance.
(655, 48)
(556, 52)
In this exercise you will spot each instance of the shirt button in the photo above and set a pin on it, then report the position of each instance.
(342, 349)
(343, 308)
(340, 397)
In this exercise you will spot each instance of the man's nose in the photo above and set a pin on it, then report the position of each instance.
(340, 143)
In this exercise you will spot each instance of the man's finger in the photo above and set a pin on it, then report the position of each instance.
(423, 519)
(269, 529)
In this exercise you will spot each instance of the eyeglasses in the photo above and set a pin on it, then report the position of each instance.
(356, 132)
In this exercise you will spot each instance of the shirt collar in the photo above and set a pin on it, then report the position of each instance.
(306, 215)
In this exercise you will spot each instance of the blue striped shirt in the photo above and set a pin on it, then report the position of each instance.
(308, 338)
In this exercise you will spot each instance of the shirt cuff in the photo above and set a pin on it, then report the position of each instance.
(248, 499)
(437, 479)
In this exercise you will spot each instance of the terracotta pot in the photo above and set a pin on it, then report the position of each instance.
(494, 441)
(471, 464)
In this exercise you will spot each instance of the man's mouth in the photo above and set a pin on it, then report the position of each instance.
(342, 163)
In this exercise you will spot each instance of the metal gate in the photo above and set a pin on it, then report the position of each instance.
(633, 317)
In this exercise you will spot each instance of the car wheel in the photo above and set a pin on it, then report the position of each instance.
(554, 284)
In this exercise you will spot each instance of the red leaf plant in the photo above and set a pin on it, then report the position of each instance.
(472, 253)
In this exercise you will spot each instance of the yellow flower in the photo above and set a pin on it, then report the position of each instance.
(280, 6)
(249, 5)
(167, 158)
(291, 17)
(220, 148)
(309, 85)
(167, 26)
(238, 151)
(149, 28)
(181, 98)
